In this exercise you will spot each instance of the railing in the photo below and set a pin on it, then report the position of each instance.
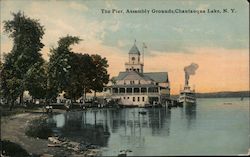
(123, 94)
(127, 63)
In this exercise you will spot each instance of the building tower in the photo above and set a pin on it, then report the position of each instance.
(134, 63)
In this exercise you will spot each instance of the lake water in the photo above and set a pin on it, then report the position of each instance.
(213, 127)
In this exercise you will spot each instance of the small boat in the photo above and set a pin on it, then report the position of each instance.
(123, 153)
(228, 103)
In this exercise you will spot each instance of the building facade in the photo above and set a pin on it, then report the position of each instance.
(133, 87)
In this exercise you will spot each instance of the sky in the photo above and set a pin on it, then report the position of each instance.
(217, 42)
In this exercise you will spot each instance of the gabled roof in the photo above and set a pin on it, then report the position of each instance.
(121, 75)
(134, 50)
(155, 76)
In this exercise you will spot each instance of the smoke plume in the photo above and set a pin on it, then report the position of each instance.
(190, 70)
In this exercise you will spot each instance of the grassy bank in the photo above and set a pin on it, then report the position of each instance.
(5, 111)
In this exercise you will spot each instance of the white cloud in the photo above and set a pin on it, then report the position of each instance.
(78, 6)
(115, 26)
(59, 21)
(110, 4)
(123, 43)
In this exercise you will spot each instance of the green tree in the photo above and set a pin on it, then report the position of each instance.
(81, 76)
(113, 80)
(100, 73)
(1, 91)
(11, 85)
(36, 80)
(59, 66)
(27, 34)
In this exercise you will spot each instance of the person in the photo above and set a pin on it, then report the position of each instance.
(82, 104)
(67, 105)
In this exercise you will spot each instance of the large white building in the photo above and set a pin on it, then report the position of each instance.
(134, 87)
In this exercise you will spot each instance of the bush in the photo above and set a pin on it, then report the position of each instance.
(13, 149)
(39, 128)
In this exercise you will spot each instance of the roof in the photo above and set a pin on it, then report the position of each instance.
(155, 76)
(134, 50)
(121, 75)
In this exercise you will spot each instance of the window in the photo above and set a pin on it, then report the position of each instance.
(133, 99)
(129, 90)
(127, 97)
(136, 90)
(143, 90)
(143, 99)
(138, 99)
(124, 97)
(121, 90)
(115, 90)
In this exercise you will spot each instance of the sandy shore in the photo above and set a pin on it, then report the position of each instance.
(13, 129)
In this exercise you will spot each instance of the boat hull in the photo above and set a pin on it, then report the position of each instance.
(187, 100)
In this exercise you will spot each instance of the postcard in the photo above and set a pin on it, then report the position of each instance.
(124, 78)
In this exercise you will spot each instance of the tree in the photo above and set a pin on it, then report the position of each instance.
(59, 66)
(113, 80)
(11, 85)
(36, 80)
(80, 76)
(1, 92)
(27, 34)
(100, 75)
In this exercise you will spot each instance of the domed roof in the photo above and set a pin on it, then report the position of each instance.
(134, 50)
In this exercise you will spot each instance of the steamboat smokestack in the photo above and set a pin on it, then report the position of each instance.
(190, 70)
(186, 78)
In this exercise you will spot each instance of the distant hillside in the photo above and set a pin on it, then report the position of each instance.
(225, 94)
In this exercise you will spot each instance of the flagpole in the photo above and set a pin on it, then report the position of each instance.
(143, 48)
(143, 54)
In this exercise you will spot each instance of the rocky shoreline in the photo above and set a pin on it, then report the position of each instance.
(13, 129)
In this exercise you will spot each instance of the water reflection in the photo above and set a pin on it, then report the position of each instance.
(131, 119)
(95, 126)
(190, 114)
(74, 126)
(150, 133)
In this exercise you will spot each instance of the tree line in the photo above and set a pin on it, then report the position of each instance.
(24, 68)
